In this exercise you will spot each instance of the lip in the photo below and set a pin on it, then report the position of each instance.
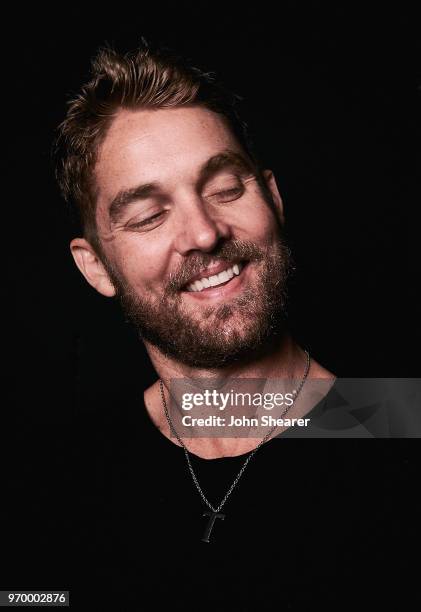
(222, 291)
(212, 271)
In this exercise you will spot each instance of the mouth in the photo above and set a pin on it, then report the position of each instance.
(217, 280)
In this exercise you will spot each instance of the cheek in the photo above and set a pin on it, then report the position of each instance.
(140, 265)
(259, 224)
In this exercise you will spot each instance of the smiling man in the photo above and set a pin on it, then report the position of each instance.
(189, 241)
(182, 225)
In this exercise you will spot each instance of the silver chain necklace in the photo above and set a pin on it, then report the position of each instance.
(215, 513)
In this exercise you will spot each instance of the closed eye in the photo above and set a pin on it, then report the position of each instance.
(146, 222)
(228, 194)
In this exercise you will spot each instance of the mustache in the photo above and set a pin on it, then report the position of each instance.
(232, 252)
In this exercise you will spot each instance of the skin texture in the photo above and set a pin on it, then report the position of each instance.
(155, 244)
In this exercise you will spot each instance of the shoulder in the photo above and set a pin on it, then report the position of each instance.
(153, 406)
(318, 371)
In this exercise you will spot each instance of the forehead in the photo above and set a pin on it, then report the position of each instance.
(163, 145)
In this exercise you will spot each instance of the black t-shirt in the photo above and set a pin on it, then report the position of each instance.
(116, 519)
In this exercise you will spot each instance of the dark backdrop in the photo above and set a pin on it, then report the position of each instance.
(329, 95)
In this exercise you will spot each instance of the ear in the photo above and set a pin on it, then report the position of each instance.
(91, 266)
(277, 200)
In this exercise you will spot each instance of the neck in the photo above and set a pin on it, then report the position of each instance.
(283, 358)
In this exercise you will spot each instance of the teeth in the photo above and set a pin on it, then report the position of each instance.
(215, 280)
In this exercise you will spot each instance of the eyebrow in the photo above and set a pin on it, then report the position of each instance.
(216, 163)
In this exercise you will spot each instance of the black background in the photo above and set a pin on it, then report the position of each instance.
(330, 97)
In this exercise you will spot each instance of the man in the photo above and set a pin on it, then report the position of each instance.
(171, 194)
(184, 227)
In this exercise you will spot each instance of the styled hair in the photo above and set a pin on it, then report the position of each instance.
(137, 79)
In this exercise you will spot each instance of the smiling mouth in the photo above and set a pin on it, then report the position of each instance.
(216, 280)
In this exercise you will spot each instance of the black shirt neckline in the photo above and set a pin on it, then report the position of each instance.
(150, 429)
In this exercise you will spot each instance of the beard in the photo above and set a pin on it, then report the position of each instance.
(213, 336)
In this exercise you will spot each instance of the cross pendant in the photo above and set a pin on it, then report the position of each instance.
(212, 518)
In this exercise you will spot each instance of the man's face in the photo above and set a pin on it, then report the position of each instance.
(191, 245)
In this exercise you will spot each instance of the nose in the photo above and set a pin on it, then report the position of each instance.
(199, 228)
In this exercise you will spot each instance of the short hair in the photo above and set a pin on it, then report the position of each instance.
(143, 78)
